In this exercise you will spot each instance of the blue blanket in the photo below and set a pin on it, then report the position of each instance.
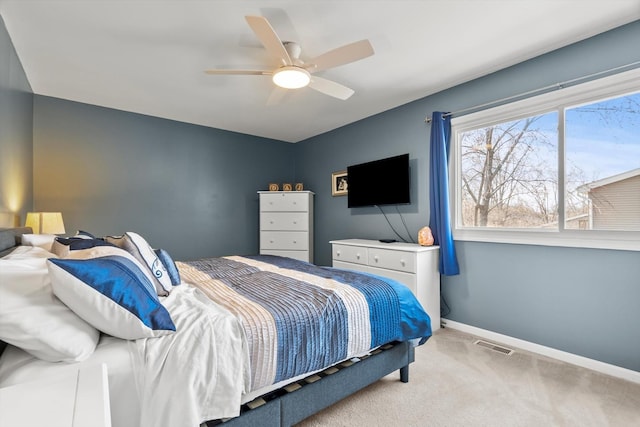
(304, 316)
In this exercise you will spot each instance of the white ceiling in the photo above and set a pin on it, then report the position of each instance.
(149, 56)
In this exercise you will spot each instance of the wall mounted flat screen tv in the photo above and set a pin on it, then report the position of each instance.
(380, 182)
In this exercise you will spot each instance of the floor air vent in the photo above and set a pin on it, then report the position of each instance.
(495, 347)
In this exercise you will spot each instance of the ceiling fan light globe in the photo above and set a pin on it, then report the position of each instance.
(291, 77)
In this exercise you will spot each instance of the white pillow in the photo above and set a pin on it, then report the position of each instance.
(44, 241)
(32, 318)
(137, 246)
(111, 291)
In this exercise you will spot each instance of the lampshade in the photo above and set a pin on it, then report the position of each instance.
(45, 222)
(291, 77)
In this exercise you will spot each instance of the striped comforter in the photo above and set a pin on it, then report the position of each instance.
(300, 318)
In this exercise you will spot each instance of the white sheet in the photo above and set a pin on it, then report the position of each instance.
(197, 374)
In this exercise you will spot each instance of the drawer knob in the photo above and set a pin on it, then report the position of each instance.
(295, 222)
(402, 262)
(270, 241)
(358, 256)
(294, 242)
(375, 258)
(270, 222)
(337, 253)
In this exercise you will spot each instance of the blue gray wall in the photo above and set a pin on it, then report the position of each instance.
(583, 301)
(16, 151)
(186, 188)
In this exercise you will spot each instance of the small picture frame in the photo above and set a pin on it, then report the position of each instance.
(339, 183)
(273, 186)
(287, 186)
(299, 186)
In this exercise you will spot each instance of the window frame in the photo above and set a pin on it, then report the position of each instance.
(558, 100)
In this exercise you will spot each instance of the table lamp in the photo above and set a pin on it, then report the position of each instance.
(45, 222)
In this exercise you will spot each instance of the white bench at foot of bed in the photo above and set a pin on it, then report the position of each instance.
(76, 399)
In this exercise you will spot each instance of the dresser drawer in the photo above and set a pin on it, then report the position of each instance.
(286, 240)
(350, 266)
(393, 260)
(284, 202)
(299, 255)
(354, 254)
(407, 279)
(292, 221)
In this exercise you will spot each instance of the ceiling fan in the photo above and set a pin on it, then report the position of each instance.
(294, 73)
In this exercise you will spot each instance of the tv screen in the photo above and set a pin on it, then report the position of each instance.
(381, 182)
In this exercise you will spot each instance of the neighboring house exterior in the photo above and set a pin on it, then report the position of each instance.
(614, 202)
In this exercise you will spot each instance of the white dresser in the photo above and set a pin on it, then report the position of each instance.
(410, 264)
(286, 224)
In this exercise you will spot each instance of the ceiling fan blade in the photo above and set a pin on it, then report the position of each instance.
(278, 18)
(340, 56)
(330, 88)
(268, 37)
(241, 72)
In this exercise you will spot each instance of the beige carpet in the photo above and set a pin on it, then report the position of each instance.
(456, 383)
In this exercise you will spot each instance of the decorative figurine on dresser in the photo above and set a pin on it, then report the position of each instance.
(286, 224)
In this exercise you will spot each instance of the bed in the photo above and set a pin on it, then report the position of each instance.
(246, 340)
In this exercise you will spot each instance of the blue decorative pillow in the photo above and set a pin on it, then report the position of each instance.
(169, 265)
(112, 294)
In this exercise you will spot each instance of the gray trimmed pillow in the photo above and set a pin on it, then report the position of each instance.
(137, 246)
(63, 246)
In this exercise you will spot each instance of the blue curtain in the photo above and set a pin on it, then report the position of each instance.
(440, 221)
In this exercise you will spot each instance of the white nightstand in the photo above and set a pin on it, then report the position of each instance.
(77, 399)
(412, 265)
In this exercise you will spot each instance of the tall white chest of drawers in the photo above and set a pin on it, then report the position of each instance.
(412, 265)
(286, 224)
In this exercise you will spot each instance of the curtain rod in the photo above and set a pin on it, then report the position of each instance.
(556, 86)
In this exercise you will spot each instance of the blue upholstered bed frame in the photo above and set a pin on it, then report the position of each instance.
(287, 409)
(283, 408)
(10, 238)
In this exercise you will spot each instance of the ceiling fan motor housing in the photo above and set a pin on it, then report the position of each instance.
(293, 49)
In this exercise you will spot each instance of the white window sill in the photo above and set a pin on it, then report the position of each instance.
(616, 240)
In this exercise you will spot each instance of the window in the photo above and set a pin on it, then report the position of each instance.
(602, 157)
(559, 169)
(509, 174)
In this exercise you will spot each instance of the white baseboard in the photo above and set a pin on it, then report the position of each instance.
(585, 362)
